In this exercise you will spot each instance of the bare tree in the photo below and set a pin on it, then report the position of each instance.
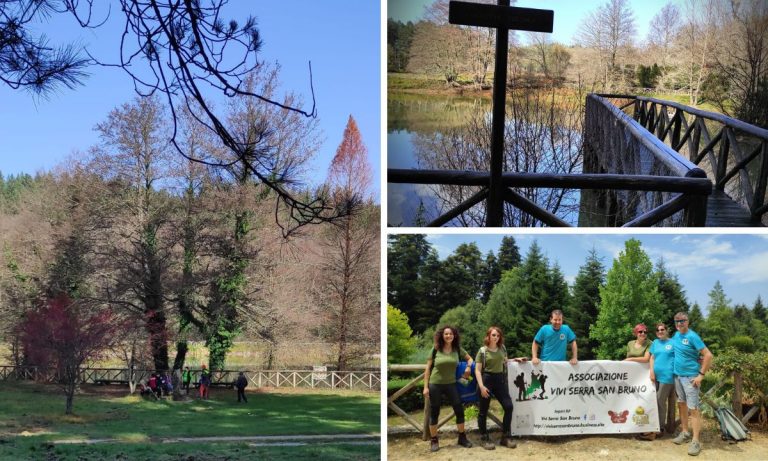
(610, 29)
(663, 30)
(695, 45)
(183, 51)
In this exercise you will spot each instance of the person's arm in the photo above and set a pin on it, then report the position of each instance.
(706, 361)
(653, 375)
(468, 370)
(535, 353)
(479, 376)
(574, 353)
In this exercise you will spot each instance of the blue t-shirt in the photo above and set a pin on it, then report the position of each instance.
(687, 347)
(663, 357)
(553, 342)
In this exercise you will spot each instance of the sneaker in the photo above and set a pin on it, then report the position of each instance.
(434, 445)
(506, 441)
(694, 448)
(464, 441)
(485, 440)
(682, 438)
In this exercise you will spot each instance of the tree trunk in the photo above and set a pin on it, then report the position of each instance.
(158, 340)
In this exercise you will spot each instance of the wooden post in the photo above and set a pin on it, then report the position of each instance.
(504, 18)
(722, 159)
(738, 382)
(672, 410)
(425, 433)
(677, 121)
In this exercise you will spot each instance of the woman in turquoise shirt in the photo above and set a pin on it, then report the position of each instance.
(662, 359)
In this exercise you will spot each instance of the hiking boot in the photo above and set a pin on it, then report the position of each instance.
(681, 438)
(464, 441)
(694, 448)
(485, 440)
(648, 436)
(506, 441)
(434, 445)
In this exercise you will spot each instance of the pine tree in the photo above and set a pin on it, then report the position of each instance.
(491, 275)
(581, 312)
(630, 296)
(759, 312)
(672, 293)
(695, 317)
(406, 254)
(718, 326)
(509, 254)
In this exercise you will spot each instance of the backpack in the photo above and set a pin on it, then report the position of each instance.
(731, 427)
(468, 392)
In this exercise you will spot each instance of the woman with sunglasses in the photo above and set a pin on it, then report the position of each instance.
(662, 359)
(637, 349)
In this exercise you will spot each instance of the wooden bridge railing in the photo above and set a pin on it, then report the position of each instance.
(731, 152)
(620, 155)
(615, 143)
(367, 380)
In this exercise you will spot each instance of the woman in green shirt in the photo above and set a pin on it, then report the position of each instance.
(637, 350)
(440, 380)
(490, 370)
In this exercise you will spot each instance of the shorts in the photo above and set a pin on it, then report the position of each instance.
(686, 393)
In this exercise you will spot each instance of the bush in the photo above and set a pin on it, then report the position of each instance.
(410, 401)
(742, 343)
(400, 342)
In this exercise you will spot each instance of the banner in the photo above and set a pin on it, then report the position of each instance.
(592, 397)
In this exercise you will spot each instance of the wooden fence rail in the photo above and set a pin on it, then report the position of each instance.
(364, 380)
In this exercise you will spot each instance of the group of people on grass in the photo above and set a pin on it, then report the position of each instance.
(677, 363)
(160, 384)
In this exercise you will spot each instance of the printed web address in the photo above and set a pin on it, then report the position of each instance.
(551, 426)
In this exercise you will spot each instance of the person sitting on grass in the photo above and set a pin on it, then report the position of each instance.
(241, 384)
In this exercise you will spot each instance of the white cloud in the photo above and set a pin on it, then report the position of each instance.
(749, 268)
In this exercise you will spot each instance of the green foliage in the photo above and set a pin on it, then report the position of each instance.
(581, 311)
(522, 301)
(695, 317)
(400, 342)
(509, 254)
(742, 343)
(491, 275)
(406, 255)
(759, 312)
(718, 327)
(753, 368)
(399, 38)
(410, 401)
(466, 319)
(672, 293)
(647, 76)
(630, 296)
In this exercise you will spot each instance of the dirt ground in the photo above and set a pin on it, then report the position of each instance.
(409, 446)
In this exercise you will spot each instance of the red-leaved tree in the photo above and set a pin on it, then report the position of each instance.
(61, 336)
(348, 291)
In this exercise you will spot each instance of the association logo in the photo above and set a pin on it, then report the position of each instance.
(685, 341)
(533, 389)
(618, 418)
(668, 347)
(562, 336)
(640, 417)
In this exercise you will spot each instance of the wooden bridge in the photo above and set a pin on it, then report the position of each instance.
(647, 162)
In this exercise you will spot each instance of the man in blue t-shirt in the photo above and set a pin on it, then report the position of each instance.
(553, 339)
(689, 374)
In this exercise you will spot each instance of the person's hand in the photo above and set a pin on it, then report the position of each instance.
(467, 372)
(653, 377)
(520, 359)
(696, 382)
(574, 361)
(484, 392)
(426, 391)
(536, 360)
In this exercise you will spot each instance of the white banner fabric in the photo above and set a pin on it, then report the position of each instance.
(591, 397)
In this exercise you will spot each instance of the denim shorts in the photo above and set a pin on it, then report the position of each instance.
(686, 392)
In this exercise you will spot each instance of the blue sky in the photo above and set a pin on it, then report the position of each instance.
(738, 261)
(568, 13)
(340, 37)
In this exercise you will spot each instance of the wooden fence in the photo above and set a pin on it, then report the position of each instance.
(363, 380)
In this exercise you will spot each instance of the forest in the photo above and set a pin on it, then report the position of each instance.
(518, 292)
(174, 251)
(705, 52)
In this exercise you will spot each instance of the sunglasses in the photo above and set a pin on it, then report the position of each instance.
(494, 335)
(661, 329)
(681, 321)
(642, 332)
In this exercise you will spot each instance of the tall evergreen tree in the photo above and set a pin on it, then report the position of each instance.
(491, 275)
(430, 291)
(509, 254)
(759, 312)
(630, 296)
(718, 326)
(582, 310)
(672, 293)
(406, 254)
(695, 317)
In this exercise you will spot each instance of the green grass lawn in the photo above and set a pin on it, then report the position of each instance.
(32, 416)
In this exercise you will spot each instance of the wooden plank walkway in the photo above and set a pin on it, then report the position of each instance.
(722, 211)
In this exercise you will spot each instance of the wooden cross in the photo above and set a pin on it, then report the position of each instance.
(504, 18)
